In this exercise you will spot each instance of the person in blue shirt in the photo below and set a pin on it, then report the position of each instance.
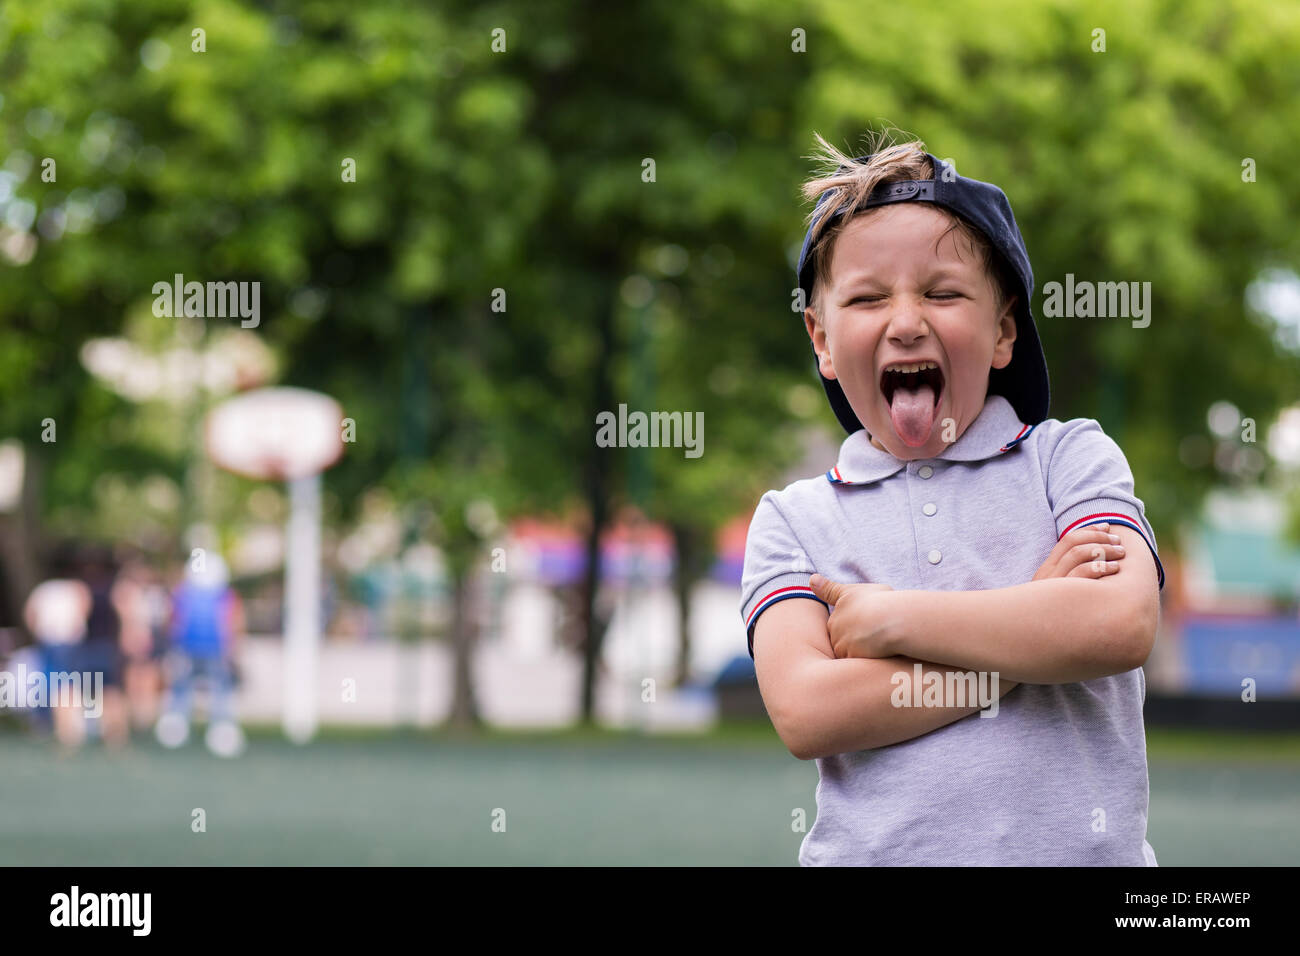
(205, 627)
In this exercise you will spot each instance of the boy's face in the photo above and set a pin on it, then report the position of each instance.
(896, 296)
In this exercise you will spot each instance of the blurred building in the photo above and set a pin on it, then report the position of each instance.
(1235, 611)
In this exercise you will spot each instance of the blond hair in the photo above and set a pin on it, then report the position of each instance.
(851, 182)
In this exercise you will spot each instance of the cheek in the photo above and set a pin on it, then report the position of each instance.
(857, 343)
(968, 350)
(856, 363)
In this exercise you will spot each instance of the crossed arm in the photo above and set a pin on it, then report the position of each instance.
(1052, 631)
(826, 678)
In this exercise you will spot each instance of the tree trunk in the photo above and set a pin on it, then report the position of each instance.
(20, 545)
(592, 623)
(684, 578)
(464, 710)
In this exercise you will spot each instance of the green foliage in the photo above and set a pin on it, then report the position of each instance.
(522, 171)
(1123, 165)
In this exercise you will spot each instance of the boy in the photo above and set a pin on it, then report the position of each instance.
(990, 541)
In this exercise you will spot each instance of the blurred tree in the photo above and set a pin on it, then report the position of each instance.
(500, 268)
(328, 152)
(1122, 164)
(674, 269)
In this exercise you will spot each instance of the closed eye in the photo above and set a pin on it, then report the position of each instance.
(870, 299)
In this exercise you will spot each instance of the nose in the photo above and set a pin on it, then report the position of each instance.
(907, 323)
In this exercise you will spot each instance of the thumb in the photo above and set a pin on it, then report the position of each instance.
(826, 589)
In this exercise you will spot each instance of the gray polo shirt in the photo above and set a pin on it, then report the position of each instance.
(1059, 776)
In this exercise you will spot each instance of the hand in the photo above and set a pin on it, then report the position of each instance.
(862, 621)
(1091, 552)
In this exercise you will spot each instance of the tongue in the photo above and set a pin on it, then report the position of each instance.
(912, 412)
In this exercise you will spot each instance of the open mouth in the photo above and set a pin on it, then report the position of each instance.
(911, 376)
(912, 391)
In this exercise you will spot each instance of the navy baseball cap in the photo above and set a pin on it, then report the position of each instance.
(1024, 381)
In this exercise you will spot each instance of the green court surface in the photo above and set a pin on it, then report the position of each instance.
(568, 798)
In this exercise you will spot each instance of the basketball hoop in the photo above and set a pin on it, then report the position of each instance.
(275, 433)
(289, 435)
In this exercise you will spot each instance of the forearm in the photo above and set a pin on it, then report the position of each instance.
(855, 704)
(1053, 631)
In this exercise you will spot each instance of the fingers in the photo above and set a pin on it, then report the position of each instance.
(1094, 569)
(1097, 534)
(1091, 560)
(826, 589)
(1084, 552)
(1093, 534)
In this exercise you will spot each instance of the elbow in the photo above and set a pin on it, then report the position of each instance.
(805, 752)
(1140, 634)
(806, 749)
(799, 745)
(810, 745)
(794, 735)
(1140, 649)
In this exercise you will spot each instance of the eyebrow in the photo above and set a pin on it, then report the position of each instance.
(946, 272)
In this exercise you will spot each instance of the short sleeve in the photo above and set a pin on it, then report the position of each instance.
(776, 566)
(1089, 482)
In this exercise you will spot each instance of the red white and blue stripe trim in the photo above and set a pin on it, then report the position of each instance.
(835, 478)
(780, 594)
(1021, 436)
(1113, 518)
(774, 597)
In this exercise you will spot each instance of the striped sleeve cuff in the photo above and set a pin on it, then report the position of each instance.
(773, 591)
(1112, 511)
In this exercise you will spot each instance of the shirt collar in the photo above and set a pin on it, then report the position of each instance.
(996, 429)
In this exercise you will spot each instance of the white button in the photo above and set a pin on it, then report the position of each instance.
(929, 508)
(935, 557)
(925, 471)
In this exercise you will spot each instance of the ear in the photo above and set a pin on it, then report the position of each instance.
(1005, 344)
(817, 332)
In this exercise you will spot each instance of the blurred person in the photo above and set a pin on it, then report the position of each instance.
(143, 606)
(28, 660)
(56, 614)
(207, 624)
(100, 651)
